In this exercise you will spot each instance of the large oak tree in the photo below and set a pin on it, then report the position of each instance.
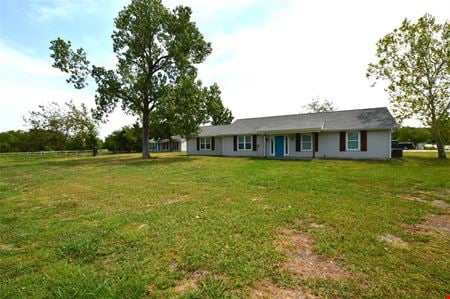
(157, 51)
(414, 60)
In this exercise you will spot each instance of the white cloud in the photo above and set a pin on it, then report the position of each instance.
(207, 9)
(305, 50)
(27, 81)
(62, 9)
(308, 49)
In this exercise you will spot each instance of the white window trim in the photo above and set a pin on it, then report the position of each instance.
(245, 141)
(359, 141)
(205, 143)
(301, 143)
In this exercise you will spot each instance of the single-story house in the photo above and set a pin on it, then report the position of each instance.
(172, 144)
(349, 134)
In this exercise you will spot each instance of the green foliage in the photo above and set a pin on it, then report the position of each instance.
(127, 139)
(212, 287)
(157, 51)
(414, 60)
(217, 113)
(203, 104)
(54, 128)
(416, 135)
(75, 125)
(35, 140)
(79, 249)
(73, 62)
(318, 105)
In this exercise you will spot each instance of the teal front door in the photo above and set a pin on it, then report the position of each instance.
(279, 146)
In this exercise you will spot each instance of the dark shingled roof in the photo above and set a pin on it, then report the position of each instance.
(359, 119)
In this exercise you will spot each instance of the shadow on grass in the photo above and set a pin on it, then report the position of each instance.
(100, 161)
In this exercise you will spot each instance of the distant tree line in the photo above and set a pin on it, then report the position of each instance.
(35, 140)
(416, 135)
(54, 127)
(127, 139)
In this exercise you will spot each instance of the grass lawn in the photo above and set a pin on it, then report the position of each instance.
(118, 226)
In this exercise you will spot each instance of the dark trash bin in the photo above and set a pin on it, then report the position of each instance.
(397, 153)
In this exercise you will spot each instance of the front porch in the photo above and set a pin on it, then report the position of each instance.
(291, 145)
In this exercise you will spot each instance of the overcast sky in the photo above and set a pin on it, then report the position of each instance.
(269, 57)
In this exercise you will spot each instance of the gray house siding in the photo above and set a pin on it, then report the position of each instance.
(378, 146)
(192, 148)
(373, 125)
(228, 148)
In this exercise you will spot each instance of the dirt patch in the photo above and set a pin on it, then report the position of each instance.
(396, 241)
(189, 283)
(440, 204)
(440, 223)
(301, 259)
(437, 203)
(173, 200)
(414, 198)
(432, 224)
(270, 290)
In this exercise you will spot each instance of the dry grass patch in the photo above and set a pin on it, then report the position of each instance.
(394, 240)
(301, 259)
(269, 290)
(432, 224)
(6, 247)
(440, 223)
(440, 204)
(190, 283)
(437, 202)
(317, 225)
(257, 198)
(173, 200)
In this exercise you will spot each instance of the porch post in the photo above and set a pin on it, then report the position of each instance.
(264, 138)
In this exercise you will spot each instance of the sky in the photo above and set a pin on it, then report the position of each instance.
(270, 57)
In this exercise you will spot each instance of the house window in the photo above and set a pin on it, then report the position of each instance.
(175, 146)
(205, 143)
(306, 142)
(245, 143)
(353, 141)
(286, 145)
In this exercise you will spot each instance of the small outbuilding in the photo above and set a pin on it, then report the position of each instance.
(172, 144)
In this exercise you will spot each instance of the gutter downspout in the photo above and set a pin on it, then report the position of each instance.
(390, 144)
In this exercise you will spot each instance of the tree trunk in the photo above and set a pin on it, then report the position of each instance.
(441, 151)
(440, 145)
(145, 145)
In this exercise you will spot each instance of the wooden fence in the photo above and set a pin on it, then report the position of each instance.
(46, 153)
